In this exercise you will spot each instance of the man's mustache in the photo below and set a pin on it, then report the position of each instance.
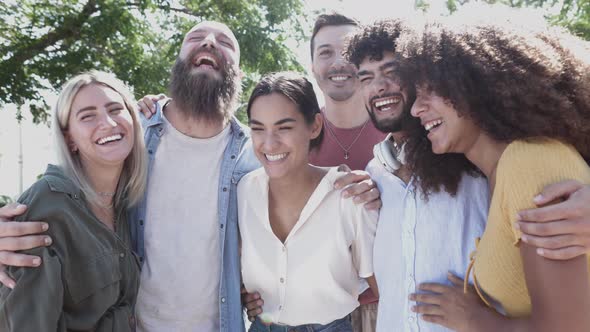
(342, 72)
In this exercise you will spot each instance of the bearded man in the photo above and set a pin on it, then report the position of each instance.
(185, 231)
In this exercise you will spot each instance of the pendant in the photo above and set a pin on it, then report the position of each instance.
(346, 155)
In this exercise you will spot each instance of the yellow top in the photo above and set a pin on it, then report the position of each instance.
(523, 170)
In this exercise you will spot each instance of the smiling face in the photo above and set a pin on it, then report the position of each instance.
(280, 135)
(100, 127)
(334, 75)
(209, 47)
(447, 130)
(384, 96)
(205, 80)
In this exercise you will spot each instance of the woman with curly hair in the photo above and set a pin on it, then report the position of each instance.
(516, 103)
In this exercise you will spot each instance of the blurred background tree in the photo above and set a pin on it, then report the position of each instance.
(44, 42)
(571, 14)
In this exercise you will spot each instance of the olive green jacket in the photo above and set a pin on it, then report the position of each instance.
(89, 277)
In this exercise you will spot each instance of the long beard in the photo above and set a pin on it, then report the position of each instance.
(203, 96)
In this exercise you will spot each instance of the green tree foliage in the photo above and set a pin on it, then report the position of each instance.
(44, 42)
(573, 14)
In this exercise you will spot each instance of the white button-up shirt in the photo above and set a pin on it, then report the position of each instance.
(420, 241)
(311, 278)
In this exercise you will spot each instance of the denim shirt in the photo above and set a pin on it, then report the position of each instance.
(238, 159)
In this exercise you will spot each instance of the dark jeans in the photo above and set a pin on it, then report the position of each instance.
(339, 325)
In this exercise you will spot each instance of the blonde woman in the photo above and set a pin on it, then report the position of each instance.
(89, 277)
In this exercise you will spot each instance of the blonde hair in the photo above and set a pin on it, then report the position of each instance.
(132, 182)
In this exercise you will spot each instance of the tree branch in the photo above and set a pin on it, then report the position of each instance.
(67, 30)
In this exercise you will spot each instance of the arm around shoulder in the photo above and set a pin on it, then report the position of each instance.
(36, 302)
(559, 290)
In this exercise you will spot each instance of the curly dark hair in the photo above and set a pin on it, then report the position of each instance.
(512, 82)
(434, 172)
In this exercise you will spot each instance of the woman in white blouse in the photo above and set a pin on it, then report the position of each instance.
(304, 246)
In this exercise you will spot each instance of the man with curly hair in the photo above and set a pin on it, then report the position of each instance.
(427, 224)
(431, 214)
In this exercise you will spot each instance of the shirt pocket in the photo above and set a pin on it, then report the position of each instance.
(99, 278)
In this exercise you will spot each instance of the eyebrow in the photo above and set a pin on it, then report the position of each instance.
(280, 122)
(323, 46)
(384, 66)
(389, 64)
(91, 108)
(364, 72)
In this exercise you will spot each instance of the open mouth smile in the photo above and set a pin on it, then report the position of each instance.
(109, 139)
(205, 60)
(386, 103)
(340, 78)
(433, 124)
(275, 157)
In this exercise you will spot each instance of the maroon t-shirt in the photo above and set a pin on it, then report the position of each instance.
(330, 153)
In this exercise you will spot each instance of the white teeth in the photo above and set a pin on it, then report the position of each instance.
(206, 57)
(111, 138)
(339, 78)
(275, 157)
(432, 124)
(387, 102)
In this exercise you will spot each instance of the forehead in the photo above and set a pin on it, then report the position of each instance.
(333, 35)
(213, 27)
(272, 107)
(95, 94)
(372, 64)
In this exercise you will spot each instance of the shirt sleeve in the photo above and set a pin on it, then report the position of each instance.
(528, 167)
(365, 226)
(35, 303)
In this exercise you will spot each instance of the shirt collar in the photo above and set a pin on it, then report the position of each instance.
(59, 182)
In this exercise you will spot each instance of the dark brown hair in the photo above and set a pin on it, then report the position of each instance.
(297, 89)
(513, 83)
(333, 19)
(434, 172)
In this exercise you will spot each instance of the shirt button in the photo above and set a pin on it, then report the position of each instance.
(411, 319)
(150, 151)
(282, 280)
(223, 300)
(141, 222)
(284, 249)
(122, 255)
(233, 156)
(224, 188)
(221, 226)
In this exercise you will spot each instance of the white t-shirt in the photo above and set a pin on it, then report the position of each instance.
(180, 278)
(311, 278)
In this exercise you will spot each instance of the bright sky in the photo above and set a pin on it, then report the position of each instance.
(37, 141)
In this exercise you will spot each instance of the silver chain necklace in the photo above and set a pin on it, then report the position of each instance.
(346, 150)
